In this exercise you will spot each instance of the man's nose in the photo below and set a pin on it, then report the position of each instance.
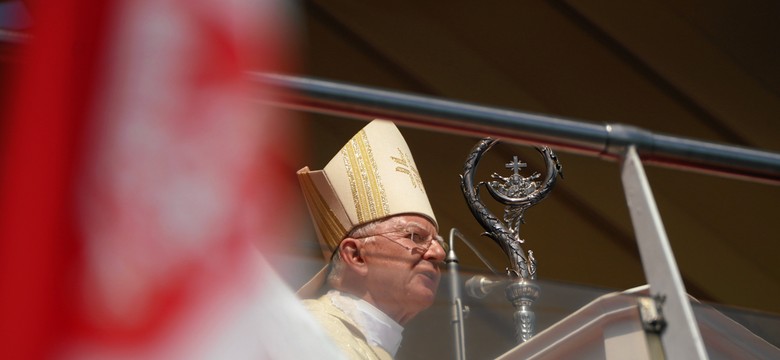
(435, 253)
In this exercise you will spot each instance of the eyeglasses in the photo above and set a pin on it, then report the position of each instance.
(422, 243)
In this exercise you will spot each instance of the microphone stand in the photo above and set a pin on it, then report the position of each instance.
(458, 310)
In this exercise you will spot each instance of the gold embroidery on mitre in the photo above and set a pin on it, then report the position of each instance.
(329, 227)
(365, 184)
(408, 168)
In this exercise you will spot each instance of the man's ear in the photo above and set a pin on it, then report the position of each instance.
(351, 254)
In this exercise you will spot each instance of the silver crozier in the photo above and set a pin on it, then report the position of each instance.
(517, 193)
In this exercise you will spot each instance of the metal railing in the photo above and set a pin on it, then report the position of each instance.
(602, 140)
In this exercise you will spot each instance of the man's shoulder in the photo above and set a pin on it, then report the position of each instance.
(330, 316)
(318, 304)
(343, 330)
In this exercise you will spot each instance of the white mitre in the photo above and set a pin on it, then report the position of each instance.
(373, 176)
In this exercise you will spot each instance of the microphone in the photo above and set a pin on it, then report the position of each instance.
(479, 286)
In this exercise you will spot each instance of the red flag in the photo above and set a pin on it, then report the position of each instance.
(42, 136)
(139, 180)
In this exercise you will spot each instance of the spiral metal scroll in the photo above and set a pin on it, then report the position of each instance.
(518, 193)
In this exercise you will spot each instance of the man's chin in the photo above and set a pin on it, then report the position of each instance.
(425, 296)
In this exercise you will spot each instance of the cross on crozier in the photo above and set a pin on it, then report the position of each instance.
(515, 165)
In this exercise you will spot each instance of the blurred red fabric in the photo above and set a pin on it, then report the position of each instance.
(138, 177)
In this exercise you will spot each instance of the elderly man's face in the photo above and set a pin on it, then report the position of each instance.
(402, 257)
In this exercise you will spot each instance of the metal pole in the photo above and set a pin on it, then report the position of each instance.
(681, 338)
(458, 312)
(604, 140)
